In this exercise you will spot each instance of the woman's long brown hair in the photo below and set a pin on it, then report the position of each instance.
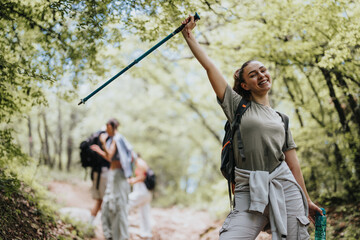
(238, 79)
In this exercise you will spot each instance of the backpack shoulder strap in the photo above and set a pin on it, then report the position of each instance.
(242, 107)
(285, 120)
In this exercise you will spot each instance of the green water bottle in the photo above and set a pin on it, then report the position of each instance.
(320, 225)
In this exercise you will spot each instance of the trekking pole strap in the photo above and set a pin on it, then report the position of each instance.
(230, 198)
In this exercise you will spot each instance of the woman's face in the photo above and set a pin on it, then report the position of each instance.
(110, 130)
(257, 78)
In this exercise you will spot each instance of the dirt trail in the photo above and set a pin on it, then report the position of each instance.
(168, 223)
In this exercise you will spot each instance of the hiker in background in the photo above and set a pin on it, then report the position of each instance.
(118, 151)
(141, 197)
(99, 179)
(266, 171)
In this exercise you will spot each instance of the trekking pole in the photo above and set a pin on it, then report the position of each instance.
(82, 101)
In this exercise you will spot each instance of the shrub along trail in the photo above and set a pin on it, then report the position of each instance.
(168, 223)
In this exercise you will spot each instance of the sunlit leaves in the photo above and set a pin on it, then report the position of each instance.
(65, 47)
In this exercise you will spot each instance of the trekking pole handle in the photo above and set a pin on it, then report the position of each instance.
(196, 17)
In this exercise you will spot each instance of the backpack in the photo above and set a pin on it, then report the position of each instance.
(227, 166)
(150, 180)
(91, 159)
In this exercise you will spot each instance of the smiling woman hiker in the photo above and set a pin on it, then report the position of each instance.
(269, 185)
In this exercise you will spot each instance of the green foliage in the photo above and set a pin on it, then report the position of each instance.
(314, 70)
(54, 52)
(9, 150)
(10, 184)
(312, 62)
(313, 57)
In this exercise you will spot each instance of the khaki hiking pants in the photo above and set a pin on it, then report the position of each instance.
(244, 225)
(114, 214)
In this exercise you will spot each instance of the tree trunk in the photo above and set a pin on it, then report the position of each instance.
(47, 155)
(335, 100)
(70, 141)
(60, 136)
(294, 101)
(69, 149)
(350, 99)
(42, 158)
(30, 137)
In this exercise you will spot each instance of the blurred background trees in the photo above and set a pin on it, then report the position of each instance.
(55, 52)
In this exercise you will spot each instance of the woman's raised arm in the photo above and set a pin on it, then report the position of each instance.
(217, 81)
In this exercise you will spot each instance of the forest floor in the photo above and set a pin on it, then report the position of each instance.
(167, 223)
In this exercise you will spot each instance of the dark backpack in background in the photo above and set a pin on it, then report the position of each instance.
(227, 167)
(89, 158)
(150, 180)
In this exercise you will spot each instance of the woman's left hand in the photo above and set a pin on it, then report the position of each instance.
(131, 180)
(103, 138)
(312, 211)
